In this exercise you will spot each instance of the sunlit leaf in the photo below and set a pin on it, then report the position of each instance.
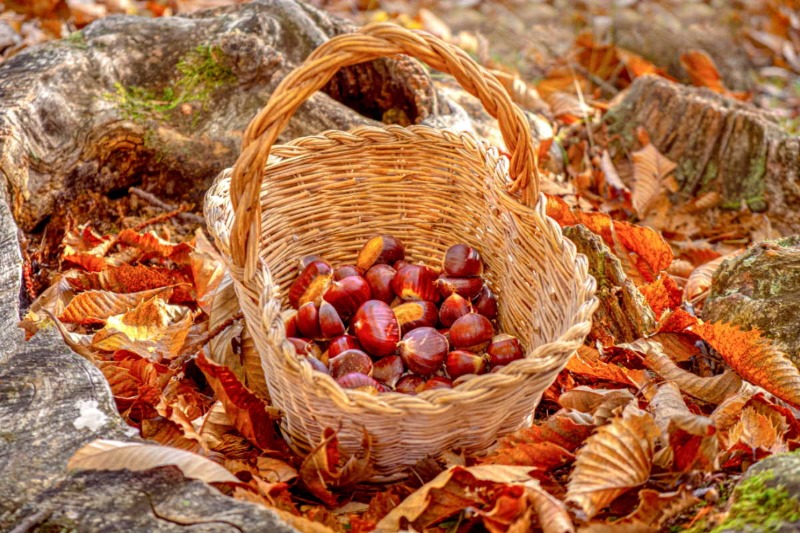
(587, 362)
(647, 244)
(703, 73)
(617, 458)
(321, 470)
(153, 244)
(662, 294)
(650, 168)
(654, 509)
(601, 403)
(104, 454)
(93, 307)
(700, 279)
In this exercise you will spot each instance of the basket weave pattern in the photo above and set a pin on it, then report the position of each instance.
(328, 194)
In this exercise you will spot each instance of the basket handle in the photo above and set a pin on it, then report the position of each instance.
(371, 42)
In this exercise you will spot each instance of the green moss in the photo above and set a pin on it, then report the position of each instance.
(76, 39)
(759, 507)
(199, 74)
(709, 175)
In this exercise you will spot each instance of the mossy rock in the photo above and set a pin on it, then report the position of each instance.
(761, 289)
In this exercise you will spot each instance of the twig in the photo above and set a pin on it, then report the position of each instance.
(152, 199)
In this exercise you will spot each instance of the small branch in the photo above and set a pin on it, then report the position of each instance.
(153, 200)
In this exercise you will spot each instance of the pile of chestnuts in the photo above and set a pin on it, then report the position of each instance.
(386, 324)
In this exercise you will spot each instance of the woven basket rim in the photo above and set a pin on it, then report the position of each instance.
(497, 164)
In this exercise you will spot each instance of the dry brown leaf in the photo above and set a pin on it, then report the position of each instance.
(700, 279)
(321, 470)
(654, 509)
(755, 431)
(754, 358)
(650, 169)
(610, 173)
(617, 458)
(712, 390)
(94, 307)
(104, 454)
(587, 362)
(551, 512)
(703, 73)
(602, 404)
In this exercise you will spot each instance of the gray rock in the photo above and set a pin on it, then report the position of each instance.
(761, 289)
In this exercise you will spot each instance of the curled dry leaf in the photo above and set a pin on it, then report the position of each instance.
(662, 295)
(104, 454)
(712, 390)
(587, 362)
(151, 243)
(617, 458)
(753, 437)
(321, 470)
(94, 307)
(754, 358)
(654, 510)
(601, 403)
(650, 169)
(703, 73)
(700, 279)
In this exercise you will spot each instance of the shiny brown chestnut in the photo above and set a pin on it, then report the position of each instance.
(376, 328)
(400, 264)
(305, 347)
(423, 350)
(379, 278)
(381, 249)
(342, 343)
(504, 349)
(461, 362)
(350, 361)
(471, 332)
(330, 323)
(461, 260)
(415, 314)
(308, 320)
(305, 260)
(310, 284)
(468, 288)
(438, 382)
(453, 307)
(388, 369)
(486, 303)
(343, 271)
(416, 282)
(410, 384)
(361, 382)
(290, 322)
(347, 294)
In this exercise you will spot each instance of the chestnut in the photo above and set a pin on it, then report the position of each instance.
(471, 332)
(305, 347)
(310, 284)
(347, 294)
(379, 278)
(461, 260)
(415, 314)
(486, 303)
(318, 365)
(305, 260)
(350, 361)
(290, 322)
(453, 307)
(423, 350)
(400, 264)
(461, 362)
(376, 328)
(381, 249)
(388, 369)
(438, 382)
(361, 382)
(342, 343)
(468, 288)
(343, 271)
(410, 384)
(504, 349)
(330, 323)
(308, 320)
(416, 282)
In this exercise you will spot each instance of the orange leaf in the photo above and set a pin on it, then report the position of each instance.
(700, 279)
(127, 278)
(754, 358)
(703, 73)
(647, 244)
(662, 294)
(617, 458)
(565, 429)
(587, 362)
(152, 243)
(93, 307)
(544, 456)
(321, 469)
(247, 412)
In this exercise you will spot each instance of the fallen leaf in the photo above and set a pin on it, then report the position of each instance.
(321, 470)
(104, 454)
(662, 295)
(703, 73)
(587, 362)
(617, 458)
(94, 307)
(650, 169)
(602, 404)
(654, 509)
(700, 279)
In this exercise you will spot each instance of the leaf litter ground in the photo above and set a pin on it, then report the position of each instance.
(642, 435)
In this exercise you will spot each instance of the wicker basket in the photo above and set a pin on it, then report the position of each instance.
(329, 193)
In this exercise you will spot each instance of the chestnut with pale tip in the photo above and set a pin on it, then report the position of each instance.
(347, 294)
(310, 284)
(461, 362)
(388, 369)
(471, 332)
(461, 260)
(362, 382)
(376, 328)
(308, 320)
(416, 282)
(330, 323)
(504, 349)
(415, 314)
(423, 350)
(468, 288)
(379, 278)
(350, 361)
(381, 249)
(453, 307)
(341, 343)
(410, 384)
